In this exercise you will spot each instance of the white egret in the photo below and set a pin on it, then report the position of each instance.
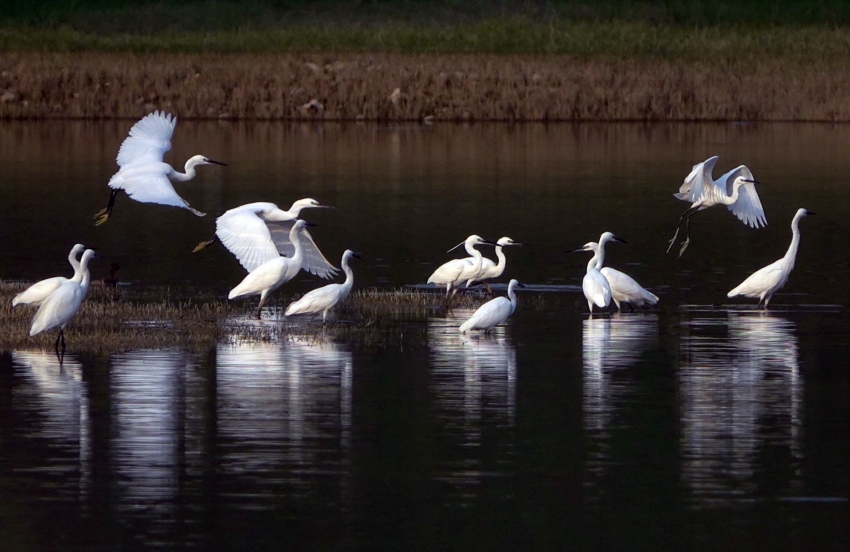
(489, 269)
(595, 285)
(142, 174)
(39, 291)
(61, 305)
(273, 273)
(735, 189)
(624, 288)
(326, 297)
(453, 273)
(493, 312)
(258, 232)
(764, 282)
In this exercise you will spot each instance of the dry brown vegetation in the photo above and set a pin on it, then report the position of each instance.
(152, 318)
(387, 86)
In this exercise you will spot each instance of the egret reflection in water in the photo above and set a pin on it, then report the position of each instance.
(284, 412)
(741, 392)
(474, 386)
(610, 347)
(152, 431)
(59, 397)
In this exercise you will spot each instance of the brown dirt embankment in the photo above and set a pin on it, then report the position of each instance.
(386, 86)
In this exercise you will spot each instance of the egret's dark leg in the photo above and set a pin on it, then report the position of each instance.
(678, 226)
(103, 215)
(203, 244)
(687, 234)
(631, 308)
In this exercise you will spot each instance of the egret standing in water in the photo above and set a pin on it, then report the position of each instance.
(142, 174)
(493, 312)
(489, 269)
(258, 232)
(62, 305)
(764, 282)
(39, 291)
(595, 285)
(624, 288)
(273, 273)
(453, 273)
(735, 189)
(326, 297)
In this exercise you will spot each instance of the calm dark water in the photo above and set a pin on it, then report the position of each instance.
(698, 425)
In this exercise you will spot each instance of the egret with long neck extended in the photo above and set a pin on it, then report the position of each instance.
(489, 269)
(493, 312)
(764, 282)
(273, 273)
(453, 273)
(62, 305)
(595, 286)
(41, 290)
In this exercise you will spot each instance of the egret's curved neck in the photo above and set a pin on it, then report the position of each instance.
(349, 275)
(791, 255)
(479, 260)
(512, 297)
(598, 257)
(72, 258)
(295, 238)
(184, 176)
(736, 192)
(500, 267)
(85, 275)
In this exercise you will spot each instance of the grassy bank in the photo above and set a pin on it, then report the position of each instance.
(415, 60)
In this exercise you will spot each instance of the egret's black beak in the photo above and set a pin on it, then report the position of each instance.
(621, 240)
(310, 223)
(322, 206)
(216, 162)
(356, 256)
(520, 285)
(810, 212)
(516, 243)
(488, 242)
(576, 250)
(751, 181)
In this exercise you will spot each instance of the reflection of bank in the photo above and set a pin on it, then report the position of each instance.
(284, 412)
(474, 385)
(60, 399)
(740, 390)
(150, 405)
(610, 345)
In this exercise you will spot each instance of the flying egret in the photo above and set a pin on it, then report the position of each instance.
(624, 289)
(258, 232)
(326, 297)
(39, 291)
(457, 271)
(489, 269)
(493, 312)
(273, 273)
(764, 282)
(143, 174)
(595, 285)
(61, 305)
(735, 189)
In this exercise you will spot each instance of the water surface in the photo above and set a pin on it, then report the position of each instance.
(701, 424)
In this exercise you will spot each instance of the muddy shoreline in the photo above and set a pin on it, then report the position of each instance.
(419, 87)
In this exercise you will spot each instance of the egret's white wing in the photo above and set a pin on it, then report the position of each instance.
(246, 235)
(698, 182)
(314, 261)
(149, 184)
(149, 139)
(748, 206)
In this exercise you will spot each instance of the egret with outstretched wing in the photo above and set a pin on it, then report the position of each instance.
(142, 174)
(258, 232)
(735, 189)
